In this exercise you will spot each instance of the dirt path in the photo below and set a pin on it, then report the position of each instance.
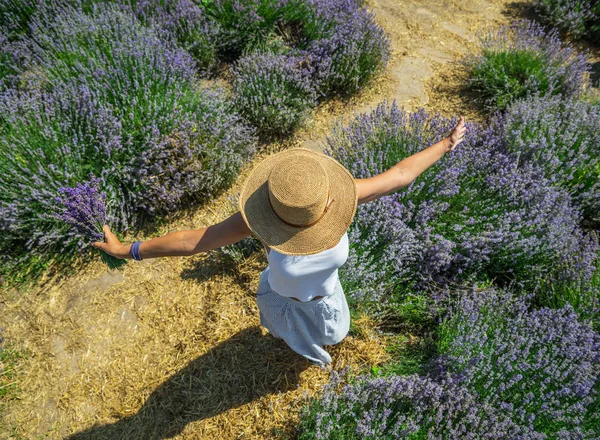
(427, 38)
(177, 341)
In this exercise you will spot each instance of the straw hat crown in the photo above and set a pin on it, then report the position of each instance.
(299, 191)
(299, 201)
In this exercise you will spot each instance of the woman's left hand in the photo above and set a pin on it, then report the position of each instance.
(456, 136)
(112, 245)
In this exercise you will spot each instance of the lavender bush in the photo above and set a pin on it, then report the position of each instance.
(15, 16)
(504, 371)
(8, 69)
(563, 137)
(241, 23)
(473, 216)
(402, 407)
(53, 138)
(347, 47)
(583, 294)
(523, 60)
(89, 44)
(339, 38)
(577, 18)
(187, 23)
(541, 368)
(273, 92)
(181, 142)
(49, 141)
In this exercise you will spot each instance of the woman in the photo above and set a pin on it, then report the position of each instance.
(299, 204)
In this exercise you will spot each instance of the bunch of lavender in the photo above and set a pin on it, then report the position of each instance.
(541, 368)
(273, 92)
(578, 18)
(402, 407)
(473, 216)
(523, 60)
(83, 209)
(347, 49)
(563, 137)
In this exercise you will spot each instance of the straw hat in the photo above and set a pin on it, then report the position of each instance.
(284, 201)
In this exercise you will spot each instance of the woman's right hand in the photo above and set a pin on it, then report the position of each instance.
(456, 136)
(112, 245)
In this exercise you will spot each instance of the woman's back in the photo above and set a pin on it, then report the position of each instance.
(307, 276)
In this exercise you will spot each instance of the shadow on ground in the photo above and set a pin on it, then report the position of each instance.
(243, 271)
(239, 370)
(520, 9)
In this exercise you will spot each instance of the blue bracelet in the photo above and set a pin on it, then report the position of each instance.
(135, 251)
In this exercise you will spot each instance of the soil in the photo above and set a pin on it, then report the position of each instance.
(176, 341)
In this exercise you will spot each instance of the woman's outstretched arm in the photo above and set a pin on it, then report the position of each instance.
(180, 243)
(407, 170)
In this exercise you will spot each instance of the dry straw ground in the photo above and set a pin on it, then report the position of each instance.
(172, 347)
(163, 348)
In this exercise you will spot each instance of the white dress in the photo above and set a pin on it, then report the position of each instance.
(306, 325)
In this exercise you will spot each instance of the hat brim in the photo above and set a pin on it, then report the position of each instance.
(290, 240)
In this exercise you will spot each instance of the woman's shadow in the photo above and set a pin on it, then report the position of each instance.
(239, 370)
